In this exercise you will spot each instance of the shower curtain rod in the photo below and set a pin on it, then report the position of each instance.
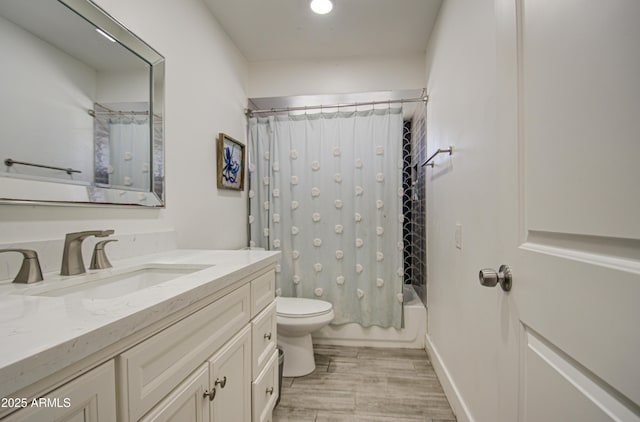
(110, 112)
(249, 112)
(93, 113)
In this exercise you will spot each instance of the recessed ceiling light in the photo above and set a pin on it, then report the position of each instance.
(321, 7)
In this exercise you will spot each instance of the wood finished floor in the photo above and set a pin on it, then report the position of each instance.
(365, 385)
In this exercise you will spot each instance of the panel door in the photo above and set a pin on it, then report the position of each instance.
(230, 376)
(569, 198)
(187, 403)
(89, 398)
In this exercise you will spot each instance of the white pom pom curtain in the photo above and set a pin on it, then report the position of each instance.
(326, 190)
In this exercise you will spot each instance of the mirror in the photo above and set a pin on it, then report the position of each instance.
(81, 108)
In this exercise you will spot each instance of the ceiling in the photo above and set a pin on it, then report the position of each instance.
(289, 30)
(63, 28)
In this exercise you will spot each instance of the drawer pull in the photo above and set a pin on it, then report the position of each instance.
(270, 391)
(211, 394)
(267, 336)
(221, 383)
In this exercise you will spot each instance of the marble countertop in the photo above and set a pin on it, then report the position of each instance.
(42, 335)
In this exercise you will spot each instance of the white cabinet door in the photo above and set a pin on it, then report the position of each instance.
(187, 403)
(569, 205)
(230, 377)
(88, 398)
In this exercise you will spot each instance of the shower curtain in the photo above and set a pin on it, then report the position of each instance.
(326, 190)
(129, 153)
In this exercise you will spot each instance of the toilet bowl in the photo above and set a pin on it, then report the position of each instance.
(297, 318)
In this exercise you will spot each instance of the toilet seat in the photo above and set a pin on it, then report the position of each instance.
(297, 307)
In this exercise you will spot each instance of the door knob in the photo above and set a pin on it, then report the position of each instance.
(490, 277)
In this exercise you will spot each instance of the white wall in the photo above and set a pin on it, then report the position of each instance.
(33, 127)
(206, 80)
(122, 86)
(339, 76)
(463, 316)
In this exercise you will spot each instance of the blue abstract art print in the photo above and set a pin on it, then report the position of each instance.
(230, 163)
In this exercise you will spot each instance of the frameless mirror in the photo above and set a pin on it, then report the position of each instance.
(81, 107)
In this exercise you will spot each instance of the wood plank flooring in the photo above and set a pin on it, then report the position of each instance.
(365, 384)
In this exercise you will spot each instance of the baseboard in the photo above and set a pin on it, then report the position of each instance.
(448, 385)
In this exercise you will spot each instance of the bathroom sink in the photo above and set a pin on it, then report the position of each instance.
(115, 284)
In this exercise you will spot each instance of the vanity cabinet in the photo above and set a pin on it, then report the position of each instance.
(214, 360)
(149, 371)
(89, 398)
(218, 364)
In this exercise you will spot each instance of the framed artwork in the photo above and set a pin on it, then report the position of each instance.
(230, 163)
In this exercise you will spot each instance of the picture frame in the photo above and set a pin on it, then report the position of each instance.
(231, 163)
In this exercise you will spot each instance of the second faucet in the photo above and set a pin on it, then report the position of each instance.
(72, 262)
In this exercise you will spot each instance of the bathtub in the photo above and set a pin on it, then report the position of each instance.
(412, 336)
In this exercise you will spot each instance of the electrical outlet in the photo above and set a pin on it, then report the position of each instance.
(459, 236)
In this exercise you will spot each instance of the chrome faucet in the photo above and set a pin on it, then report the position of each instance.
(72, 262)
(30, 271)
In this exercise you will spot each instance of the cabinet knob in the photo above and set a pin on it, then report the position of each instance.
(270, 391)
(267, 336)
(221, 383)
(211, 394)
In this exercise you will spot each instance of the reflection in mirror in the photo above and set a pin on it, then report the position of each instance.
(81, 107)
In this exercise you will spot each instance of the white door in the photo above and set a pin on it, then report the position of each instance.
(569, 197)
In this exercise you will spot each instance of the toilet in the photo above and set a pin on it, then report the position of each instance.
(297, 318)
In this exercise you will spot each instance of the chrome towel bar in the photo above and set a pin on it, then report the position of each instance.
(9, 162)
(428, 162)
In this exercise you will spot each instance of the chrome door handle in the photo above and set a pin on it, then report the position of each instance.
(490, 277)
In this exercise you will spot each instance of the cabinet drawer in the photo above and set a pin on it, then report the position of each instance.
(150, 370)
(263, 290)
(264, 338)
(265, 390)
